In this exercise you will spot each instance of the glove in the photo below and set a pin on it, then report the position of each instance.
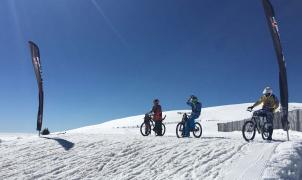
(250, 108)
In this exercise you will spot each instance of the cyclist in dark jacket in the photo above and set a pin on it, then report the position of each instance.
(157, 117)
(196, 110)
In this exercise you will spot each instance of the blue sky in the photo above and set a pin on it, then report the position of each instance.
(108, 59)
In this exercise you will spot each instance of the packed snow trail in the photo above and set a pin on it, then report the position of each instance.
(257, 158)
(133, 157)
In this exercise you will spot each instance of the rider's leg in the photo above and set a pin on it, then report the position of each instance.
(159, 128)
(189, 125)
(270, 119)
(192, 119)
(155, 127)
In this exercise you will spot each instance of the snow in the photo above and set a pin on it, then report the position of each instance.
(285, 163)
(116, 150)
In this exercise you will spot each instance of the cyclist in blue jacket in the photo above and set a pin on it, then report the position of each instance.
(196, 109)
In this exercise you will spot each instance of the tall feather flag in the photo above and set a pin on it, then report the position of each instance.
(35, 54)
(273, 26)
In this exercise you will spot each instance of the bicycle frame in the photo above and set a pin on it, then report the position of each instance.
(152, 123)
(180, 127)
(185, 118)
(259, 122)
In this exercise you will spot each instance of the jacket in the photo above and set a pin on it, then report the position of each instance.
(270, 103)
(196, 108)
(157, 116)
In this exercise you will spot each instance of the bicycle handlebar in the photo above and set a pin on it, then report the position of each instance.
(164, 117)
(150, 114)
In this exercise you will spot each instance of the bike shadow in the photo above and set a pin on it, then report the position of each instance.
(67, 145)
(213, 137)
(275, 140)
(270, 141)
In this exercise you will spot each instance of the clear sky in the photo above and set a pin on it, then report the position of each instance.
(107, 59)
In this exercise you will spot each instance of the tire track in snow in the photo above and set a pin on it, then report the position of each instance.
(252, 161)
(221, 158)
(123, 157)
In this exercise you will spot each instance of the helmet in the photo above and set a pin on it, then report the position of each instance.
(267, 90)
(156, 101)
(193, 98)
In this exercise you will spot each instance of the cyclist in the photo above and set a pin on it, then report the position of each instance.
(157, 117)
(196, 109)
(270, 104)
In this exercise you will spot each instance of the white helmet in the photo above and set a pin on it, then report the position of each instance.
(268, 90)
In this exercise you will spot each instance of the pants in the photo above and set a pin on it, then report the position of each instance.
(269, 118)
(158, 128)
(189, 125)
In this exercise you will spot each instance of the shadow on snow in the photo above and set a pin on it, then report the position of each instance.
(67, 145)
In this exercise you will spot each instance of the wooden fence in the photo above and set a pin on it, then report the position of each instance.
(294, 117)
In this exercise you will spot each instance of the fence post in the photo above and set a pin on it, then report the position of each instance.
(233, 126)
(298, 120)
(291, 120)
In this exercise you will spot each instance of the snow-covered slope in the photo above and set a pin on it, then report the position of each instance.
(209, 118)
(116, 150)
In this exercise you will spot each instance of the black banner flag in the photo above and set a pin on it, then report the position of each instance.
(35, 54)
(273, 26)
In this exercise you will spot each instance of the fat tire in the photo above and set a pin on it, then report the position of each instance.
(197, 124)
(142, 129)
(243, 131)
(178, 127)
(163, 127)
(265, 130)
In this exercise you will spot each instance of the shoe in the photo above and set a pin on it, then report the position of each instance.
(186, 136)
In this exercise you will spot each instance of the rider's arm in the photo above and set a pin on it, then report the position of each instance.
(258, 102)
(189, 103)
(276, 103)
(152, 111)
(276, 106)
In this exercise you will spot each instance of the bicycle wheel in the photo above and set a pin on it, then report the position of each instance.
(197, 132)
(145, 129)
(265, 130)
(249, 130)
(163, 127)
(179, 130)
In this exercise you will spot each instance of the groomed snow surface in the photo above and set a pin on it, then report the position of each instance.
(116, 150)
